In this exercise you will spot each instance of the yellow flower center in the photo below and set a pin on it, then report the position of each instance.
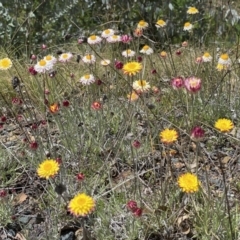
(128, 51)
(5, 63)
(142, 23)
(146, 47)
(93, 37)
(65, 55)
(88, 57)
(107, 31)
(192, 10)
(47, 166)
(193, 83)
(114, 36)
(87, 76)
(160, 22)
(131, 66)
(163, 54)
(187, 24)
(206, 54)
(224, 56)
(142, 83)
(81, 201)
(42, 63)
(48, 58)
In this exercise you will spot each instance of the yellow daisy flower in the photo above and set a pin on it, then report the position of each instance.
(160, 23)
(168, 136)
(107, 33)
(163, 54)
(189, 183)
(5, 64)
(132, 68)
(48, 168)
(141, 86)
(93, 39)
(224, 125)
(51, 59)
(89, 58)
(206, 57)
(87, 79)
(192, 10)
(81, 205)
(142, 25)
(187, 26)
(65, 57)
(146, 50)
(133, 96)
(128, 53)
(114, 39)
(224, 59)
(105, 62)
(42, 66)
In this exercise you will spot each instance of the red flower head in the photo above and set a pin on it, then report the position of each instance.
(118, 64)
(96, 105)
(132, 205)
(138, 212)
(192, 84)
(197, 133)
(80, 176)
(177, 82)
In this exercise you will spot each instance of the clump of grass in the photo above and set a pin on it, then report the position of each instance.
(109, 121)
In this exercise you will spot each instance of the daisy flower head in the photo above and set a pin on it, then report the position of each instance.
(5, 63)
(105, 62)
(132, 68)
(51, 59)
(192, 10)
(192, 84)
(81, 205)
(114, 38)
(142, 24)
(128, 53)
(184, 44)
(146, 50)
(89, 58)
(224, 59)
(163, 54)
(160, 23)
(54, 108)
(168, 136)
(138, 32)
(141, 86)
(48, 168)
(107, 33)
(42, 66)
(187, 26)
(189, 183)
(133, 96)
(206, 57)
(87, 79)
(65, 57)
(93, 39)
(199, 60)
(224, 125)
